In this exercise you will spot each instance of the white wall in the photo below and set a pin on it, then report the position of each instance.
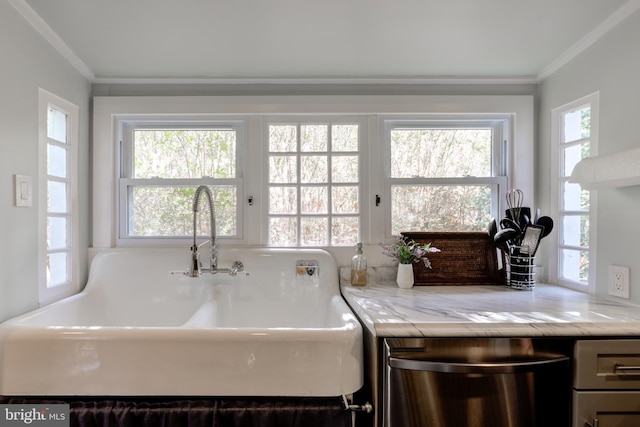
(29, 62)
(612, 67)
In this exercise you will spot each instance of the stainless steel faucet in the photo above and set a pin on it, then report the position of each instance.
(194, 269)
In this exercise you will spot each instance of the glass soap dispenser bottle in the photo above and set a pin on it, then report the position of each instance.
(358, 268)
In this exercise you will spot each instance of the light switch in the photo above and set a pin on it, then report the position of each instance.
(24, 190)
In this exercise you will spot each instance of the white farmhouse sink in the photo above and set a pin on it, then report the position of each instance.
(139, 328)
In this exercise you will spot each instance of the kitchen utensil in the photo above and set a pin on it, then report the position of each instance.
(492, 228)
(515, 198)
(547, 223)
(509, 223)
(504, 237)
(525, 211)
(531, 239)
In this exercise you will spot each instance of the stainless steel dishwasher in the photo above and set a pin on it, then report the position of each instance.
(473, 382)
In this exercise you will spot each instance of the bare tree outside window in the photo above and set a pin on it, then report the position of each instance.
(167, 166)
(432, 171)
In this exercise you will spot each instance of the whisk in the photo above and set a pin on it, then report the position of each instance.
(515, 198)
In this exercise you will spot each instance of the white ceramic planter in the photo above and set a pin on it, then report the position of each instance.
(404, 278)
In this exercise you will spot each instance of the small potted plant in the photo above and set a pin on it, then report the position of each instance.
(408, 252)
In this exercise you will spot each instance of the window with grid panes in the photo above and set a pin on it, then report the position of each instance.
(59, 234)
(576, 122)
(313, 183)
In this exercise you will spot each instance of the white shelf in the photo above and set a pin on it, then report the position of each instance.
(620, 169)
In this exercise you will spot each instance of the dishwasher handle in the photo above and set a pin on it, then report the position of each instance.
(455, 367)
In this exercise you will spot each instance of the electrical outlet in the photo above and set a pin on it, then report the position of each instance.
(307, 268)
(619, 281)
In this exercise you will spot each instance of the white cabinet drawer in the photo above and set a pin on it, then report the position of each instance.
(607, 365)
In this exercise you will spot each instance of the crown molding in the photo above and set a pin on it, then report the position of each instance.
(593, 36)
(45, 30)
(320, 81)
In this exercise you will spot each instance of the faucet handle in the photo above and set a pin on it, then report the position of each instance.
(194, 267)
(236, 268)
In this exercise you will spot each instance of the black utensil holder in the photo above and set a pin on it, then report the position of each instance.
(520, 269)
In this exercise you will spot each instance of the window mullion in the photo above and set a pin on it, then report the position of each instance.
(329, 186)
(159, 182)
(299, 184)
(580, 141)
(446, 181)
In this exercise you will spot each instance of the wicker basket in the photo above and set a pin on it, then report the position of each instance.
(466, 258)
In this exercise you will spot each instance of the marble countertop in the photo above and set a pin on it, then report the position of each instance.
(454, 311)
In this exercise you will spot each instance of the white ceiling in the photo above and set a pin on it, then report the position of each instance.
(138, 40)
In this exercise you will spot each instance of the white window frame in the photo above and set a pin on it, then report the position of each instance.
(48, 294)
(126, 126)
(500, 126)
(557, 122)
(519, 109)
